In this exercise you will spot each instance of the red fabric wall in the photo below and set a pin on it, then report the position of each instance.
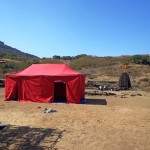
(73, 92)
(36, 89)
(41, 88)
(10, 89)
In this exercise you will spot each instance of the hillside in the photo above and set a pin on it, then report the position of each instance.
(12, 59)
(12, 53)
(100, 70)
(96, 68)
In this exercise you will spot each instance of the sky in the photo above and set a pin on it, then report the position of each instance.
(72, 27)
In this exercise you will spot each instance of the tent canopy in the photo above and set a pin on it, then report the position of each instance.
(47, 70)
(37, 83)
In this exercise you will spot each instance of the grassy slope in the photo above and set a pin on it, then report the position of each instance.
(97, 68)
(110, 68)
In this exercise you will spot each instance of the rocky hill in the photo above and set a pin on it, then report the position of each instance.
(9, 52)
(12, 59)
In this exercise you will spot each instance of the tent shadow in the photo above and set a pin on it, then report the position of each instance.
(26, 138)
(96, 102)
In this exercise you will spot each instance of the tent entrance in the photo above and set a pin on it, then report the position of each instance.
(60, 92)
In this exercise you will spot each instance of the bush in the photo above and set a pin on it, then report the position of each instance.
(141, 59)
(50, 61)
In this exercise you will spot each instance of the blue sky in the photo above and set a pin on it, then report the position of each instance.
(71, 27)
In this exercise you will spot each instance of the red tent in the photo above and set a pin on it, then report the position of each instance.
(45, 83)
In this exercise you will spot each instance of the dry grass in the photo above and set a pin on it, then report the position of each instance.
(139, 74)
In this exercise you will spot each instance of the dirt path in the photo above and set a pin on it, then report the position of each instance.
(105, 122)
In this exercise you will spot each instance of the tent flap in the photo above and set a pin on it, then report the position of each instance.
(36, 89)
(10, 89)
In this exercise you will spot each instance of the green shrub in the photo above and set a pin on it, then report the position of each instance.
(141, 59)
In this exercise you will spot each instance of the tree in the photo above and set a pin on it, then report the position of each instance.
(56, 57)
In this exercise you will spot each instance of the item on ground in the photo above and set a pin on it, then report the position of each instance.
(2, 126)
(49, 110)
(83, 101)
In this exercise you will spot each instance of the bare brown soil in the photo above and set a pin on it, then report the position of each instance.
(120, 122)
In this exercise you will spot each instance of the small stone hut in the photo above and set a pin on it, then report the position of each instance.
(124, 81)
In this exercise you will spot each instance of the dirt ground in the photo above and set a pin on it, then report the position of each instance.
(120, 122)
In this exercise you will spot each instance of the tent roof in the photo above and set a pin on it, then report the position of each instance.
(47, 69)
